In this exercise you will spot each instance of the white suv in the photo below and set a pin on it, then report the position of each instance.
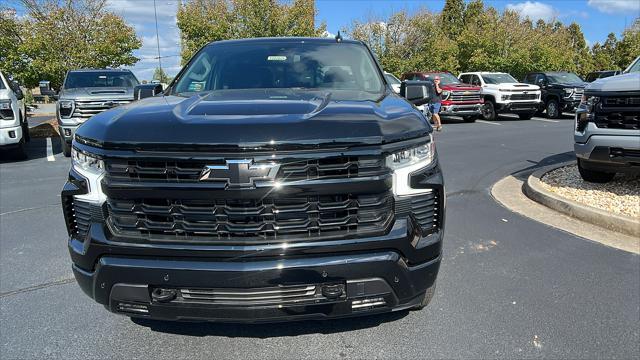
(502, 93)
(14, 128)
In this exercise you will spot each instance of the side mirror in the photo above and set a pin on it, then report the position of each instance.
(19, 94)
(146, 90)
(542, 83)
(417, 92)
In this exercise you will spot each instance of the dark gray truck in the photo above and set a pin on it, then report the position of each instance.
(88, 92)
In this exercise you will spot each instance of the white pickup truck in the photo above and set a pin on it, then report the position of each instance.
(502, 93)
(14, 128)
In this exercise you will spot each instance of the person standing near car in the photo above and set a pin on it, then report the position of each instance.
(436, 102)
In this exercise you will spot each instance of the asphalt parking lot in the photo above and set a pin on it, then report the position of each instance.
(509, 287)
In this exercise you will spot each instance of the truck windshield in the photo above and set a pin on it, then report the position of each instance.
(564, 78)
(346, 70)
(635, 67)
(84, 79)
(498, 78)
(445, 78)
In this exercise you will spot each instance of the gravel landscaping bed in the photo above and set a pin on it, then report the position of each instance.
(620, 196)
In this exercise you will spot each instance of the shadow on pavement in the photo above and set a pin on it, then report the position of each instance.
(523, 174)
(36, 149)
(272, 329)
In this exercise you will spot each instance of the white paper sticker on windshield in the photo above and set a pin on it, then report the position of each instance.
(277, 58)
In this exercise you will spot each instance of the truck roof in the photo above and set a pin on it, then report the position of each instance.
(293, 39)
(99, 70)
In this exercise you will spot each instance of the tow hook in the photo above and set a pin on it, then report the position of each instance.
(163, 295)
(332, 292)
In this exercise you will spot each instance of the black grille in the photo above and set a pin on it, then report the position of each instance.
(206, 221)
(629, 120)
(190, 171)
(621, 101)
(425, 209)
(523, 96)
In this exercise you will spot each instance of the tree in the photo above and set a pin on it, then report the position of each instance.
(60, 35)
(452, 18)
(161, 76)
(203, 21)
(628, 48)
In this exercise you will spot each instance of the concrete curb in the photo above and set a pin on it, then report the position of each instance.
(534, 190)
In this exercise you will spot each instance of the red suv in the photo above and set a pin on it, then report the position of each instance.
(457, 98)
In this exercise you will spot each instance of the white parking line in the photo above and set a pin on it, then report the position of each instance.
(546, 120)
(488, 122)
(50, 150)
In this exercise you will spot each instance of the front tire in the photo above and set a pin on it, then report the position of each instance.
(25, 129)
(66, 147)
(594, 176)
(489, 111)
(428, 295)
(470, 118)
(553, 109)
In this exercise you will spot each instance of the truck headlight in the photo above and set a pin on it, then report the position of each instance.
(405, 162)
(506, 97)
(589, 102)
(65, 107)
(92, 169)
(6, 113)
(445, 94)
(568, 92)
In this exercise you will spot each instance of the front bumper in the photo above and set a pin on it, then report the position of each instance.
(610, 153)
(124, 286)
(461, 110)
(381, 273)
(520, 107)
(67, 131)
(10, 136)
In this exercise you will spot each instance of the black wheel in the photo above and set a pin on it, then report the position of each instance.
(526, 116)
(19, 153)
(428, 295)
(489, 111)
(470, 118)
(25, 130)
(594, 176)
(553, 109)
(66, 147)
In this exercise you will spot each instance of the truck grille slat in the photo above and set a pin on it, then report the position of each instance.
(257, 296)
(618, 112)
(342, 167)
(258, 220)
(470, 95)
(86, 109)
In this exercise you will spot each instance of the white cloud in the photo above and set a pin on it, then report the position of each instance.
(616, 6)
(534, 10)
(140, 15)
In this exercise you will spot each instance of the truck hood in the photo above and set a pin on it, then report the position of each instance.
(570, 85)
(624, 82)
(514, 86)
(100, 93)
(269, 119)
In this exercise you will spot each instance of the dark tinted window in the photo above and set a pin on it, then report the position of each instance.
(344, 69)
(391, 79)
(82, 79)
(564, 78)
(465, 78)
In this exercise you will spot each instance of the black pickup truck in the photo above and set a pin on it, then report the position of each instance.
(274, 179)
(561, 91)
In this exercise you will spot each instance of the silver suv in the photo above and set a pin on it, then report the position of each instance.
(88, 92)
(607, 133)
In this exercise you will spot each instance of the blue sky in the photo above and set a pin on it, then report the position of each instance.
(596, 17)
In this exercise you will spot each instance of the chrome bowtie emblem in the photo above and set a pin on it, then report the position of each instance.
(240, 173)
